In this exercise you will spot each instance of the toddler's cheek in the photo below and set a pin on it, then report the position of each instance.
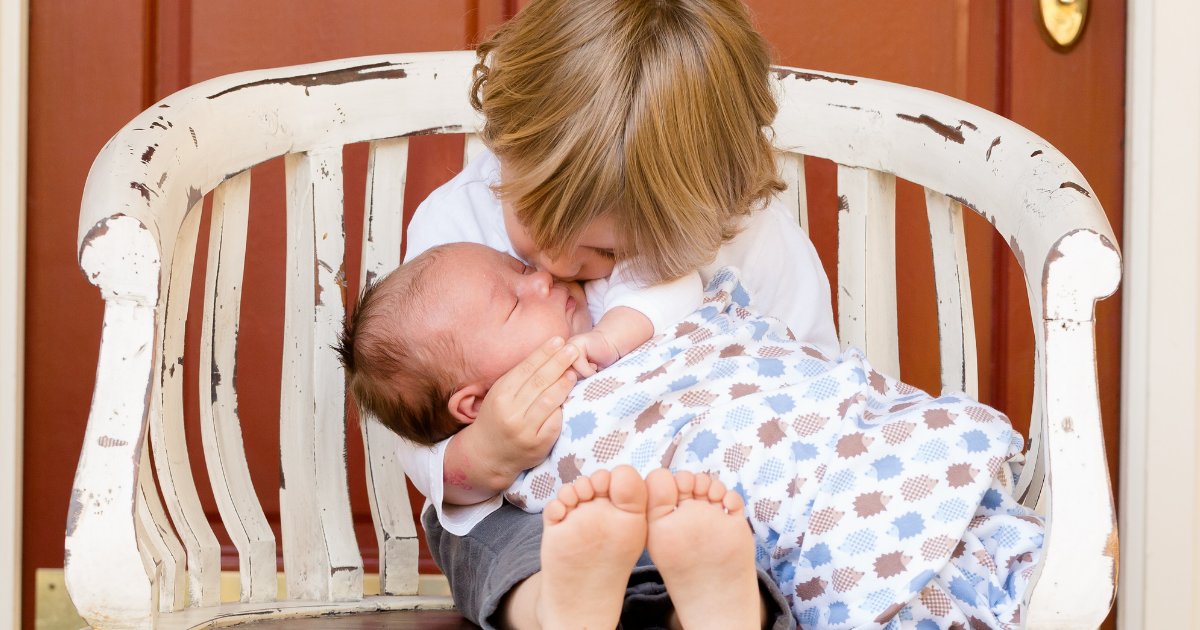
(596, 267)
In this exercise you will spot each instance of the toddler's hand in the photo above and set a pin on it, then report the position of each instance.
(595, 351)
(521, 416)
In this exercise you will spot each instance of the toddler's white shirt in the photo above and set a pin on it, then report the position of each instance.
(779, 267)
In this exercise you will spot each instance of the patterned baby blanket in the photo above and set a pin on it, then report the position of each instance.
(873, 504)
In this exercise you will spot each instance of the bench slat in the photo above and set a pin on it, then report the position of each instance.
(956, 319)
(157, 537)
(220, 426)
(867, 266)
(387, 490)
(472, 146)
(795, 198)
(167, 434)
(320, 551)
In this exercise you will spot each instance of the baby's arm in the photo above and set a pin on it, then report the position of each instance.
(632, 314)
(616, 334)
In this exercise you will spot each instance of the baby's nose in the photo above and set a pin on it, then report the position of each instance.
(540, 282)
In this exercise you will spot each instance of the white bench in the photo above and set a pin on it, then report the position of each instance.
(125, 562)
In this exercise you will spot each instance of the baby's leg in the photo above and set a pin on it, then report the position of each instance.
(705, 555)
(593, 535)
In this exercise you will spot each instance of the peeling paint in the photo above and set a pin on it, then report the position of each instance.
(194, 140)
(381, 70)
(432, 130)
(194, 196)
(1067, 425)
(110, 442)
(995, 143)
(142, 188)
(1036, 153)
(74, 511)
(1076, 187)
(1016, 249)
(969, 125)
(98, 230)
(968, 204)
(954, 134)
(340, 279)
(215, 378)
(781, 73)
(147, 154)
(843, 203)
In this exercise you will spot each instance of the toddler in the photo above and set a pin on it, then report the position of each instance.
(628, 142)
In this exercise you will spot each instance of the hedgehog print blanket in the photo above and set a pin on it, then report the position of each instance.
(873, 504)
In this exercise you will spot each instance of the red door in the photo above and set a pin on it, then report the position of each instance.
(94, 66)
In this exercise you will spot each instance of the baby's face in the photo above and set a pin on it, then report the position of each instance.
(507, 309)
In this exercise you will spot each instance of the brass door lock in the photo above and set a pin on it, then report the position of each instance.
(1061, 22)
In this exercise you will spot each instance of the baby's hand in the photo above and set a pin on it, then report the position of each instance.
(595, 352)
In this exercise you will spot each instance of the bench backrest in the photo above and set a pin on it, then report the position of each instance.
(137, 237)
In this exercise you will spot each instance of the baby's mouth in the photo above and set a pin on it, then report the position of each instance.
(570, 305)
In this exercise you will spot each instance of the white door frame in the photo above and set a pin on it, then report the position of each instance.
(14, 70)
(1159, 498)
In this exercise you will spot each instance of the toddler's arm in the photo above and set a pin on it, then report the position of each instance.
(517, 426)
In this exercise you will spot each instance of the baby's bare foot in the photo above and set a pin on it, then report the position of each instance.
(702, 546)
(594, 533)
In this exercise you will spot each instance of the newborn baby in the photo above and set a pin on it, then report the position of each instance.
(859, 528)
(432, 337)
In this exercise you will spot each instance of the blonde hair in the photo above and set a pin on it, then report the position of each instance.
(657, 111)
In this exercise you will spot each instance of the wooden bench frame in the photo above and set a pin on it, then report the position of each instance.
(128, 565)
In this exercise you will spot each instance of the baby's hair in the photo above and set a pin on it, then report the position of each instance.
(398, 367)
(657, 111)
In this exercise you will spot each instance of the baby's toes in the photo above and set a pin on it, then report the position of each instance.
(584, 489)
(554, 512)
(686, 484)
(717, 491)
(703, 483)
(568, 496)
(734, 504)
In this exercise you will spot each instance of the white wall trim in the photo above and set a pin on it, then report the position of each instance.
(14, 69)
(1160, 554)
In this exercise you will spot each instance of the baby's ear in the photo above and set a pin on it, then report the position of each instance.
(465, 403)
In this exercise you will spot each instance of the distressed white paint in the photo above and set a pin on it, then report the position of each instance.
(320, 552)
(102, 565)
(956, 319)
(220, 426)
(387, 488)
(167, 433)
(867, 265)
(14, 29)
(1160, 489)
(795, 197)
(1082, 267)
(157, 538)
(1034, 197)
(875, 131)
